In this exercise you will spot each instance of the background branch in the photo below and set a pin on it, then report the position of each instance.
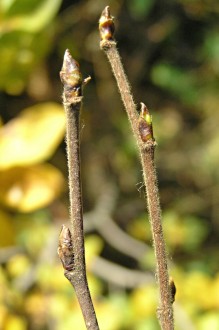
(119, 275)
(100, 218)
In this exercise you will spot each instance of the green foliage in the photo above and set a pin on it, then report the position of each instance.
(139, 9)
(25, 38)
(175, 81)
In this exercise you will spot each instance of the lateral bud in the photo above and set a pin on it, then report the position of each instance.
(65, 248)
(172, 290)
(71, 76)
(145, 124)
(106, 25)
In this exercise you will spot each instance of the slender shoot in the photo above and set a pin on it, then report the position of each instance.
(143, 133)
(71, 243)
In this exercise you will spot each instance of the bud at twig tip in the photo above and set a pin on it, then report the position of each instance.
(106, 25)
(69, 64)
(70, 75)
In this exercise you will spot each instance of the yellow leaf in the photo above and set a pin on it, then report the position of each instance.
(28, 189)
(33, 136)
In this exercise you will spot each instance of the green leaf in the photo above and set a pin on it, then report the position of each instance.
(5, 5)
(30, 16)
(24, 39)
(178, 82)
(140, 8)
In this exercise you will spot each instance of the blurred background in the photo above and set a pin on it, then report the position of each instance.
(170, 50)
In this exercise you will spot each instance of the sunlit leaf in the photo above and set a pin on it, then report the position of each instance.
(5, 5)
(209, 321)
(27, 189)
(15, 322)
(33, 136)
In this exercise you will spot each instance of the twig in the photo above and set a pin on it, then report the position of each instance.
(142, 130)
(71, 246)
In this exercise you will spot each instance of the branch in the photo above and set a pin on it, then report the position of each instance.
(143, 133)
(119, 275)
(101, 219)
(71, 246)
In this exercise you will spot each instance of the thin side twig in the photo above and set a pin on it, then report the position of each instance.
(71, 245)
(143, 133)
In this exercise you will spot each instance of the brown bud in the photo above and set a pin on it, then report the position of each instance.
(65, 248)
(145, 124)
(106, 25)
(70, 75)
(172, 290)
